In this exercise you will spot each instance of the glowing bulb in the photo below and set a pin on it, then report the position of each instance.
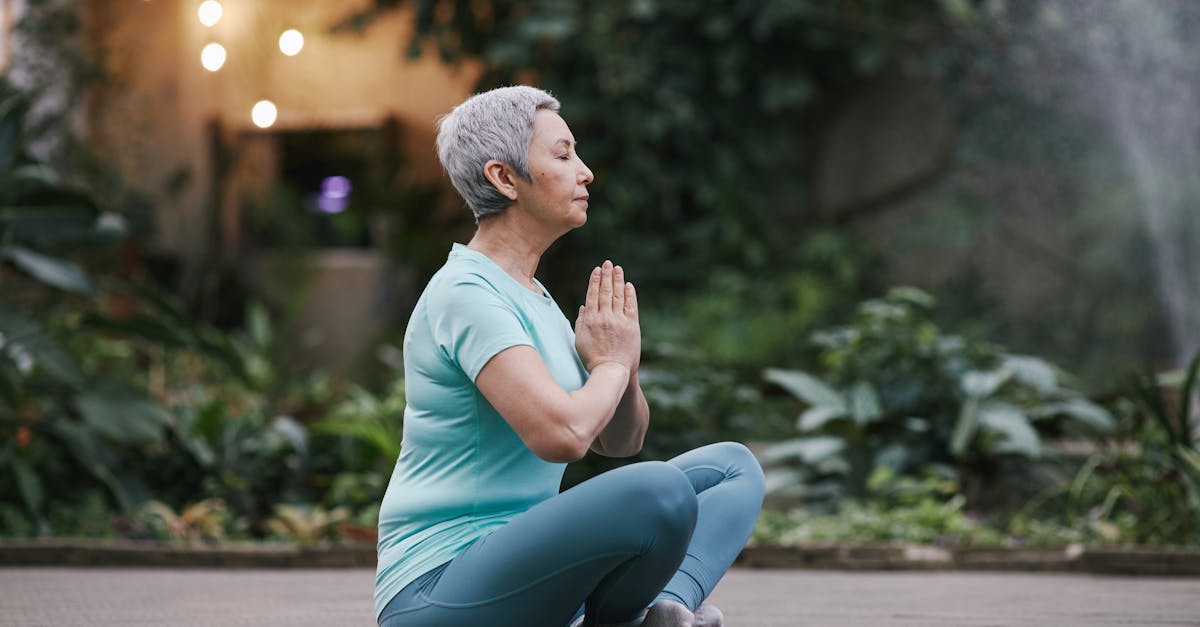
(210, 12)
(290, 42)
(212, 57)
(263, 113)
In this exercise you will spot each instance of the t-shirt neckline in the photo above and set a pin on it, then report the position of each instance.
(463, 249)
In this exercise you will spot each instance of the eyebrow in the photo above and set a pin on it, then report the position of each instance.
(565, 141)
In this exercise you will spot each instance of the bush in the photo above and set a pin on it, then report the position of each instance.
(1143, 485)
(899, 393)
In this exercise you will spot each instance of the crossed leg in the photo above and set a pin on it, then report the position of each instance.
(614, 545)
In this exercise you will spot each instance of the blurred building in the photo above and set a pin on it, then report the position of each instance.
(249, 142)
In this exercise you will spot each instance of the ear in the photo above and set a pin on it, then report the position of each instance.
(502, 177)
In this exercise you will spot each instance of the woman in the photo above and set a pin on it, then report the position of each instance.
(501, 393)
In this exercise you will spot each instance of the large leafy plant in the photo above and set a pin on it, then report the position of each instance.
(74, 408)
(897, 392)
(57, 421)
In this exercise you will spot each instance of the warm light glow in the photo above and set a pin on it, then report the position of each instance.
(290, 42)
(263, 113)
(212, 57)
(210, 12)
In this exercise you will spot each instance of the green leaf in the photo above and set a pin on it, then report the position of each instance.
(54, 272)
(812, 450)
(123, 415)
(141, 326)
(816, 417)
(95, 456)
(1185, 394)
(1081, 410)
(781, 479)
(864, 403)
(805, 387)
(1034, 372)
(965, 427)
(1019, 435)
(22, 339)
(258, 323)
(984, 383)
(61, 225)
(912, 296)
(11, 113)
(28, 484)
(959, 10)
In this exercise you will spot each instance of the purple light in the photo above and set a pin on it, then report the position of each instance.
(336, 187)
(328, 204)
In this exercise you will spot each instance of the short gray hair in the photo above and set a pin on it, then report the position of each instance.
(496, 124)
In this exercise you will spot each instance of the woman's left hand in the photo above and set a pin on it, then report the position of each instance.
(608, 328)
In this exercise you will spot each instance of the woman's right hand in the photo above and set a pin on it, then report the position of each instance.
(607, 329)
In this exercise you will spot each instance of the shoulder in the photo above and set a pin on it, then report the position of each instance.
(462, 283)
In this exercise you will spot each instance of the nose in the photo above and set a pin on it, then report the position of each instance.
(585, 173)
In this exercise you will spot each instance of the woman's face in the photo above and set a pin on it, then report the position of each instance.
(558, 191)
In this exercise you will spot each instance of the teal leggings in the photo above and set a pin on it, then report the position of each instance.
(610, 546)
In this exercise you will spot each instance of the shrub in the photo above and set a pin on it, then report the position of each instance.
(899, 393)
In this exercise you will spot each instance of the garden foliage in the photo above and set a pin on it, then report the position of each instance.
(897, 392)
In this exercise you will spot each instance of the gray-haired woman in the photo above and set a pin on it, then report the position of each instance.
(502, 392)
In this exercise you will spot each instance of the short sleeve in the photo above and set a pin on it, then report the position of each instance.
(472, 323)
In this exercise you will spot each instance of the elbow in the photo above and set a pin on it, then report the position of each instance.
(562, 445)
(560, 452)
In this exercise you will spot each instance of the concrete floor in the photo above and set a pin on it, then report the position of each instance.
(35, 597)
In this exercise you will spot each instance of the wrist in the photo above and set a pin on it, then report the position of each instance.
(625, 370)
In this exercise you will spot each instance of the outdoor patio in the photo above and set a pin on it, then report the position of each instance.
(36, 597)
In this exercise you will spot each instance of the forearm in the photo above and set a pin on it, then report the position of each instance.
(624, 434)
(595, 405)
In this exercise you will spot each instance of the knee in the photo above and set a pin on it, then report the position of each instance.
(664, 495)
(742, 464)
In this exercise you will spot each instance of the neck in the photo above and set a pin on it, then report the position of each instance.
(515, 247)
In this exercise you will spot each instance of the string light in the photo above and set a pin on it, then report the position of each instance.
(212, 57)
(263, 114)
(290, 42)
(210, 12)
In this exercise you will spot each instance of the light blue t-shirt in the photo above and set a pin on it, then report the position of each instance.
(463, 471)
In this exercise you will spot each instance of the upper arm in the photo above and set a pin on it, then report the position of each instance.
(485, 336)
(520, 387)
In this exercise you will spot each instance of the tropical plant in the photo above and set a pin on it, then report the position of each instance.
(1143, 486)
(307, 525)
(58, 420)
(899, 393)
(925, 510)
(374, 421)
(205, 521)
(356, 446)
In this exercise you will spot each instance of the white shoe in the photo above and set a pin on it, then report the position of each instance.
(709, 615)
(637, 622)
(668, 614)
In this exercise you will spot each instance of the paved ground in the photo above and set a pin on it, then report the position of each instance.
(35, 597)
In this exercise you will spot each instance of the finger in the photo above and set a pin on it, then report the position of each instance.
(631, 306)
(606, 285)
(618, 302)
(593, 292)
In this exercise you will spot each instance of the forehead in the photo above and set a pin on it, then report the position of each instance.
(550, 128)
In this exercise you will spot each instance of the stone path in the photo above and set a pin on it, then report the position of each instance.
(37, 596)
